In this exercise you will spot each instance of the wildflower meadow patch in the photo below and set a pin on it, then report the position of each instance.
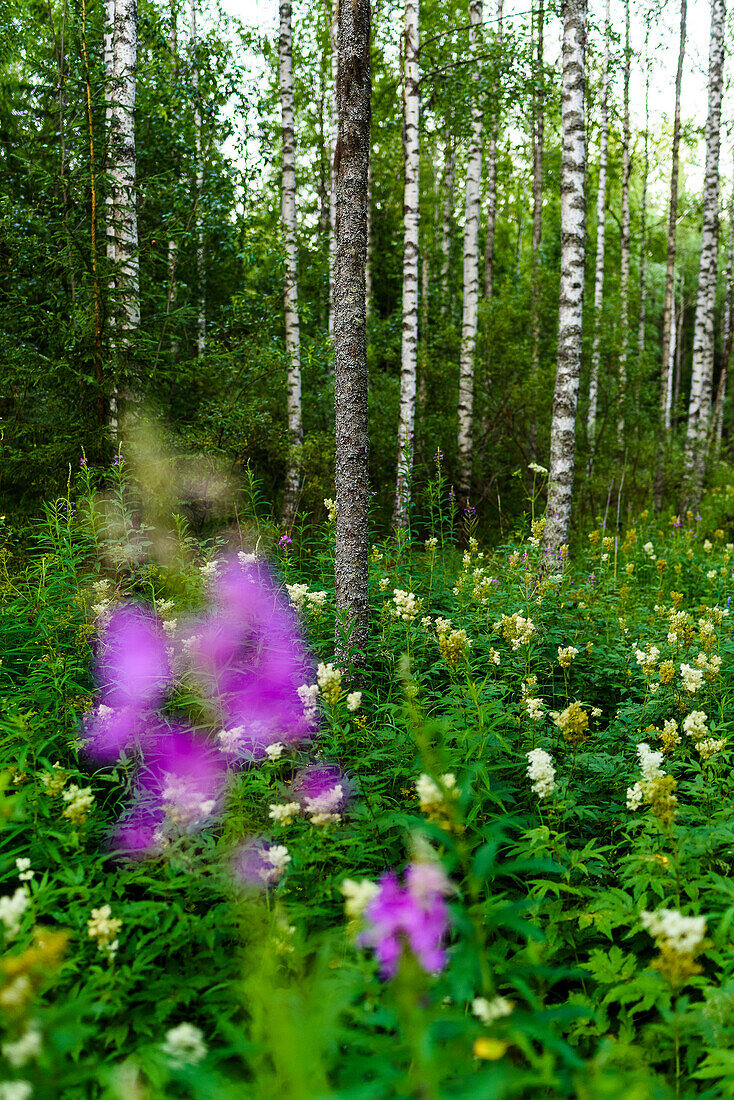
(496, 863)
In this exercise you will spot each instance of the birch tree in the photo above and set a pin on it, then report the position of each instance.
(333, 131)
(727, 330)
(122, 161)
(409, 351)
(449, 170)
(108, 38)
(699, 408)
(290, 289)
(624, 274)
(198, 190)
(668, 344)
(643, 202)
(571, 295)
(471, 274)
(492, 176)
(601, 215)
(538, 138)
(350, 335)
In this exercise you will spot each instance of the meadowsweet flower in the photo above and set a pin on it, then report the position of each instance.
(635, 797)
(669, 735)
(25, 1049)
(104, 928)
(650, 762)
(647, 658)
(515, 629)
(649, 549)
(691, 678)
(709, 747)
(308, 694)
(453, 644)
(541, 772)
(322, 791)
(413, 915)
(573, 722)
(259, 863)
(407, 605)
(330, 506)
(25, 873)
(384, 583)
(79, 801)
(596, 712)
(535, 708)
(184, 1046)
(489, 1011)
(210, 569)
(494, 656)
(12, 908)
(282, 813)
(15, 1090)
(274, 751)
(330, 682)
(435, 802)
(354, 701)
(536, 468)
(297, 595)
(695, 726)
(431, 543)
(679, 939)
(357, 896)
(656, 788)
(54, 781)
(707, 546)
(566, 655)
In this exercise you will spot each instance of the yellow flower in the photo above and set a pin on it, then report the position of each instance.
(489, 1050)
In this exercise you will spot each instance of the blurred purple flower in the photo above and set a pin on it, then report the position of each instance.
(179, 788)
(134, 673)
(321, 789)
(258, 862)
(249, 654)
(413, 915)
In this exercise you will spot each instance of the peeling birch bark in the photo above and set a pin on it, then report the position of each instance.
(448, 214)
(538, 138)
(601, 215)
(624, 273)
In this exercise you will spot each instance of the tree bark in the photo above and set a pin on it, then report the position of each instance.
(172, 259)
(471, 276)
(643, 206)
(334, 126)
(290, 289)
(448, 215)
(538, 138)
(624, 274)
(601, 215)
(368, 267)
(699, 408)
(669, 300)
(727, 330)
(350, 340)
(492, 178)
(198, 192)
(409, 352)
(570, 307)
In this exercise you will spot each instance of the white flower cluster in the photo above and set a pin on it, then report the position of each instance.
(649, 549)
(330, 506)
(275, 751)
(407, 605)
(323, 809)
(278, 858)
(691, 678)
(308, 694)
(330, 682)
(647, 658)
(710, 665)
(489, 1011)
(681, 934)
(541, 772)
(650, 761)
(105, 602)
(246, 559)
(25, 1049)
(12, 909)
(210, 569)
(301, 596)
(566, 655)
(282, 813)
(431, 543)
(430, 795)
(516, 629)
(709, 747)
(79, 801)
(15, 1090)
(357, 896)
(230, 741)
(184, 1046)
(694, 724)
(354, 701)
(534, 707)
(25, 873)
(104, 928)
(182, 801)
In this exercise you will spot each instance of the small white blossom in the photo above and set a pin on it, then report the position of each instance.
(15, 1090)
(541, 771)
(354, 701)
(274, 751)
(358, 895)
(489, 1011)
(184, 1046)
(24, 1049)
(682, 934)
(635, 797)
(694, 724)
(282, 813)
(12, 909)
(691, 678)
(25, 874)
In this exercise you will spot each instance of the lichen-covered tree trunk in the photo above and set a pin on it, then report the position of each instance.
(350, 334)
(368, 266)
(571, 295)
(624, 244)
(668, 342)
(601, 215)
(699, 407)
(122, 159)
(409, 348)
(471, 276)
(290, 287)
(449, 173)
(492, 180)
(198, 190)
(333, 130)
(538, 139)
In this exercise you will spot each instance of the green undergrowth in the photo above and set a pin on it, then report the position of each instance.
(476, 659)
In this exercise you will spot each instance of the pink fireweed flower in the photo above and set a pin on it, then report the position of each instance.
(134, 674)
(249, 656)
(414, 915)
(179, 788)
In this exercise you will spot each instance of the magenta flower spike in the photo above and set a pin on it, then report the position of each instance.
(179, 789)
(413, 915)
(134, 673)
(249, 656)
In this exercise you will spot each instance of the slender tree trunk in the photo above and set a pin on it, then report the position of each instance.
(601, 215)
(122, 175)
(198, 192)
(172, 263)
(699, 408)
(471, 276)
(670, 368)
(290, 291)
(643, 206)
(726, 336)
(678, 342)
(492, 177)
(570, 307)
(350, 335)
(332, 157)
(97, 292)
(538, 138)
(409, 354)
(109, 67)
(624, 274)
(669, 300)
(448, 215)
(368, 268)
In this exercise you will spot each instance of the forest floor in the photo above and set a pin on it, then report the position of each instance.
(495, 866)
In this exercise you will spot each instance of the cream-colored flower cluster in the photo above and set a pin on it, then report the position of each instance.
(679, 939)
(489, 1011)
(655, 788)
(566, 656)
(407, 606)
(330, 506)
(541, 772)
(453, 644)
(301, 597)
(709, 747)
(104, 929)
(647, 658)
(436, 801)
(330, 682)
(516, 629)
(184, 1046)
(79, 801)
(573, 722)
(691, 678)
(357, 896)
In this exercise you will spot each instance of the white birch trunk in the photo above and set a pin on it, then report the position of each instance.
(449, 173)
(624, 273)
(601, 215)
(109, 68)
(672, 345)
(699, 408)
(122, 176)
(538, 137)
(471, 277)
(172, 262)
(726, 337)
(332, 159)
(492, 182)
(571, 296)
(409, 351)
(290, 291)
(643, 206)
(198, 191)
